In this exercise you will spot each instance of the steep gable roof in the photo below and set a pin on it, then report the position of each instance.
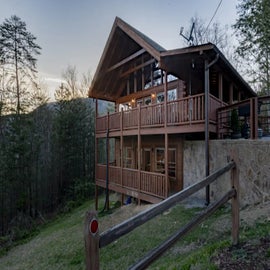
(126, 46)
(124, 43)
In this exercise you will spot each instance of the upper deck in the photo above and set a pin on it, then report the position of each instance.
(184, 115)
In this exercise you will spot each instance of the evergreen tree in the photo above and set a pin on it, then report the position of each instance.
(18, 139)
(73, 139)
(17, 54)
(253, 32)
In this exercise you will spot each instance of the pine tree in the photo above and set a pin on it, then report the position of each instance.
(17, 138)
(17, 54)
(73, 138)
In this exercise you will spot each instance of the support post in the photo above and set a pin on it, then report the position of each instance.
(121, 152)
(235, 200)
(206, 128)
(207, 66)
(139, 143)
(91, 240)
(167, 184)
(107, 203)
(96, 156)
(165, 100)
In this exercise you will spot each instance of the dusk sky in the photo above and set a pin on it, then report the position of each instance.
(75, 32)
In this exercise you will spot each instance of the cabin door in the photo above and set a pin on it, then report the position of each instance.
(146, 159)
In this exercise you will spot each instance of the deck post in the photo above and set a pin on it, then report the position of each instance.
(139, 151)
(255, 121)
(207, 66)
(251, 120)
(235, 199)
(165, 100)
(121, 152)
(107, 163)
(166, 143)
(96, 156)
(166, 165)
(206, 129)
(91, 240)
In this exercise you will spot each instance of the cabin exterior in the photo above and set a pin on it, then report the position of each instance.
(161, 98)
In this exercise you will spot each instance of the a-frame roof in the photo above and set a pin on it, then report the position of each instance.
(123, 45)
(126, 45)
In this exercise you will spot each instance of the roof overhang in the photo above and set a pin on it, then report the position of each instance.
(124, 44)
(178, 61)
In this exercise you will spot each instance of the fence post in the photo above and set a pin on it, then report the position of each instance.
(235, 199)
(91, 240)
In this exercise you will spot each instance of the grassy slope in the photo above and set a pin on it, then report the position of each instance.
(60, 244)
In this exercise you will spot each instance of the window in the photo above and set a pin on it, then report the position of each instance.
(146, 160)
(172, 163)
(160, 160)
(160, 97)
(172, 94)
(139, 102)
(127, 158)
(124, 107)
(147, 100)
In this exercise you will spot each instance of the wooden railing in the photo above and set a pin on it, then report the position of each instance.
(188, 110)
(150, 183)
(153, 184)
(253, 112)
(94, 241)
(130, 179)
(130, 118)
(152, 115)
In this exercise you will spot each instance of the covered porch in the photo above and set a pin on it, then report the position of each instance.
(184, 115)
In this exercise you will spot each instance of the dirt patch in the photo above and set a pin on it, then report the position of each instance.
(253, 255)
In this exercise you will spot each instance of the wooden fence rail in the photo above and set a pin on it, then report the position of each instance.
(127, 226)
(155, 253)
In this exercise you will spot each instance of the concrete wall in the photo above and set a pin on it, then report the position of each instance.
(254, 165)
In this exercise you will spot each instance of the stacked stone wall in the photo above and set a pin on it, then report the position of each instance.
(254, 167)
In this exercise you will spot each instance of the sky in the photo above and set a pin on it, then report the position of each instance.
(74, 32)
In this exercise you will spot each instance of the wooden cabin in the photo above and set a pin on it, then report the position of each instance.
(161, 98)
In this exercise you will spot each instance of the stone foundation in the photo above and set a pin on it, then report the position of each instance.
(254, 167)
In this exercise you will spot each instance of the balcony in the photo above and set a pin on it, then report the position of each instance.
(185, 115)
(144, 185)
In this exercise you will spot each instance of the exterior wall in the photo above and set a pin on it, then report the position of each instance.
(254, 161)
(152, 142)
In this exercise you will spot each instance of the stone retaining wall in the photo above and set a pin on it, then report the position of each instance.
(254, 167)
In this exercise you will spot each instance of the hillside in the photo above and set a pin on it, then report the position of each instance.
(59, 245)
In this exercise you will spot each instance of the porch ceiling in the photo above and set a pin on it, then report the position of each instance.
(180, 61)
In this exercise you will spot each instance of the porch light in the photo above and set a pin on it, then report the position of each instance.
(153, 95)
(133, 100)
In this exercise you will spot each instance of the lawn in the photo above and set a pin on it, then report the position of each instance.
(60, 244)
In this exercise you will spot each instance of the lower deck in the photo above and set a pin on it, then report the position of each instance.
(142, 185)
(144, 167)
